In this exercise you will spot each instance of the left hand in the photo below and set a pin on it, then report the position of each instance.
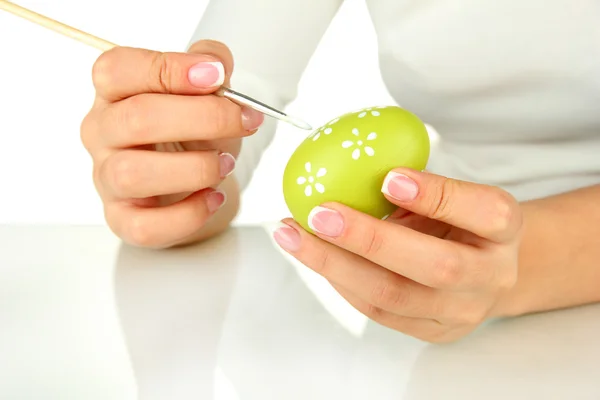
(435, 269)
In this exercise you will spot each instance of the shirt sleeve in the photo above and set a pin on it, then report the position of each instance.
(272, 42)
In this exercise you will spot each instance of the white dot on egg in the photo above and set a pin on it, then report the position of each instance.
(360, 142)
(311, 179)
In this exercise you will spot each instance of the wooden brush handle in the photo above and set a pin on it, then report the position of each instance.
(56, 26)
(104, 45)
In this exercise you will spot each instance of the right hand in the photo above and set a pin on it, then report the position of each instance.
(161, 142)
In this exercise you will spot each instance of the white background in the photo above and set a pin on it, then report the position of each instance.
(45, 91)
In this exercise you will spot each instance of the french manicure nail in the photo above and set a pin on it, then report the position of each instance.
(207, 74)
(287, 237)
(400, 187)
(251, 119)
(325, 221)
(215, 200)
(226, 164)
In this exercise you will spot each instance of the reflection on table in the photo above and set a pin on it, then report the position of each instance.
(83, 316)
(274, 339)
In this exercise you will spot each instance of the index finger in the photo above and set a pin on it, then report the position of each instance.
(425, 259)
(123, 72)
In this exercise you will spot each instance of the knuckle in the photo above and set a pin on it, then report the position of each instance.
(447, 271)
(162, 77)
(373, 312)
(133, 116)
(97, 180)
(121, 174)
(222, 117)
(207, 170)
(87, 130)
(505, 214)
(372, 242)
(322, 263)
(113, 219)
(105, 67)
(138, 232)
(440, 206)
(389, 295)
(472, 315)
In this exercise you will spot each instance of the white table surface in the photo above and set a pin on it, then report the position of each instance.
(83, 317)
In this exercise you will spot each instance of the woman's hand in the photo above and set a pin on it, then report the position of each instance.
(435, 269)
(161, 142)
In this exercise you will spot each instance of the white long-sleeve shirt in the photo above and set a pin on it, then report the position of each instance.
(512, 86)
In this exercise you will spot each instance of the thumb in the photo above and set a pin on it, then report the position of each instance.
(484, 210)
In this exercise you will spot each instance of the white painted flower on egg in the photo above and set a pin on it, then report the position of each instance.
(360, 144)
(309, 180)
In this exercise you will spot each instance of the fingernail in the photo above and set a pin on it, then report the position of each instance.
(207, 74)
(287, 237)
(326, 221)
(251, 119)
(400, 187)
(215, 200)
(226, 164)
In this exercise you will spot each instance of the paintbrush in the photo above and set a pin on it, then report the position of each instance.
(105, 45)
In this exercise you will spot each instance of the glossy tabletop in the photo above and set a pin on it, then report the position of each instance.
(84, 317)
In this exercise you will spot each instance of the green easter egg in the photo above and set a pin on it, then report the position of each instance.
(347, 159)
